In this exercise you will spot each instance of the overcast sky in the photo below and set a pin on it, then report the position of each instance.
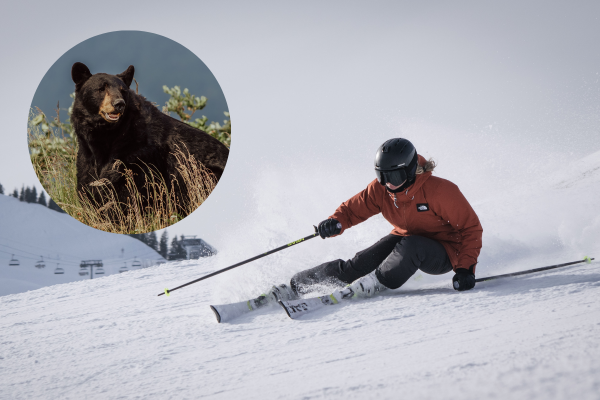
(315, 87)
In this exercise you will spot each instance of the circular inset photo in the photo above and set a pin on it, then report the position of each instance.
(129, 132)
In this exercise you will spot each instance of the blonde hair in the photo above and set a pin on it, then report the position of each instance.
(428, 167)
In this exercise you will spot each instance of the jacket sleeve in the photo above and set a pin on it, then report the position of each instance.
(359, 207)
(454, 208)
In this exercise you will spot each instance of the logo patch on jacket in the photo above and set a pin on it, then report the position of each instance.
(422, 207)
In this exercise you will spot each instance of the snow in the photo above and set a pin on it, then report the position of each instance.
(31, 231)
(528, 337)
(534, 336)
(506, 102)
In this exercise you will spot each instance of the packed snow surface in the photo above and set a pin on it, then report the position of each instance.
(534, 336)
(528, 337)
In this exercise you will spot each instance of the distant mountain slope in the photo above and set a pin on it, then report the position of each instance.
(30, 231)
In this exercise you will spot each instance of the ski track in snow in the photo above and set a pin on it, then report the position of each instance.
(525, 337)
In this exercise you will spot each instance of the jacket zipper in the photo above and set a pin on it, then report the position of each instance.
(404, 209)
(405, 220)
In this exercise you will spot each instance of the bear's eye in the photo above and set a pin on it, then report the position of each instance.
(102, 88)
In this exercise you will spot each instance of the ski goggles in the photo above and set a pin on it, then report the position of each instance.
(396, 176)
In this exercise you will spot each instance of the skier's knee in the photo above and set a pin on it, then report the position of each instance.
(327, 274)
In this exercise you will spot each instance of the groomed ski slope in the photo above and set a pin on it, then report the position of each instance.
(528, 337)
(535, 336)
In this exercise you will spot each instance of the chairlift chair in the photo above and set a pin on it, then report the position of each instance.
(99, 271)
(123, 268)
(40, 264)
(136, 263)
(14, 262)
(83, 272)
(59, 270)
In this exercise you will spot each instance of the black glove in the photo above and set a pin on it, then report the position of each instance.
(464, 279)
(329, 227)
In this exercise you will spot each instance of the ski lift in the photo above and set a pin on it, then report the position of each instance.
(136, 263)
(40, 264)
(83, 272)
(99, 271)
(123, 268)
(14, 262)
(59, 270)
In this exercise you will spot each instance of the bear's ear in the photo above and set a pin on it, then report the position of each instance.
(80, 74)
(127, 76)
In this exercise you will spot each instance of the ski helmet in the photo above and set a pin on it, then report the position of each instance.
(396, 163)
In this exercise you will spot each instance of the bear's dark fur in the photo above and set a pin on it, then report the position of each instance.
(112, 123)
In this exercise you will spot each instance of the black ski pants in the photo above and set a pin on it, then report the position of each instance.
(396, 259)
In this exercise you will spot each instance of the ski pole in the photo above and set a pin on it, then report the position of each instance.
(167, 291)
(529, 271)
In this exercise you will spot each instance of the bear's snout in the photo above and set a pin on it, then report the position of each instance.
(112, 106)
(119, 105)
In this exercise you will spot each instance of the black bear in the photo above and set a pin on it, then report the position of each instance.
(113, 123)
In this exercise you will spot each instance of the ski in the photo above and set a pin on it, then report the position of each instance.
(298, 308)
(228, 312)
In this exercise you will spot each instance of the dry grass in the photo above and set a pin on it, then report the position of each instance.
(149, 208)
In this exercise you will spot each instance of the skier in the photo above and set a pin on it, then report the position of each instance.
(435, 229)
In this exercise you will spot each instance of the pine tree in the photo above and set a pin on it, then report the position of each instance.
(53, 206)
(42, 199)
(22, 194)
(33, 196)
(164, 244)
(177, 252)
(152, 240)
(15, 194)
(173, 249)
(1, 189)
(182, 252)
(27, 196)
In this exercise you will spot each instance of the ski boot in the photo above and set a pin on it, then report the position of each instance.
(366, 286)
(281, 292)
(276, 293)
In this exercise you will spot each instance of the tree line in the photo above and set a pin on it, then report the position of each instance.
(173, 252)
(29, 195)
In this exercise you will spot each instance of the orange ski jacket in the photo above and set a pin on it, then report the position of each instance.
(432, 207)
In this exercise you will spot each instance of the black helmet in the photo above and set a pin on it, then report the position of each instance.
(396, 163)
